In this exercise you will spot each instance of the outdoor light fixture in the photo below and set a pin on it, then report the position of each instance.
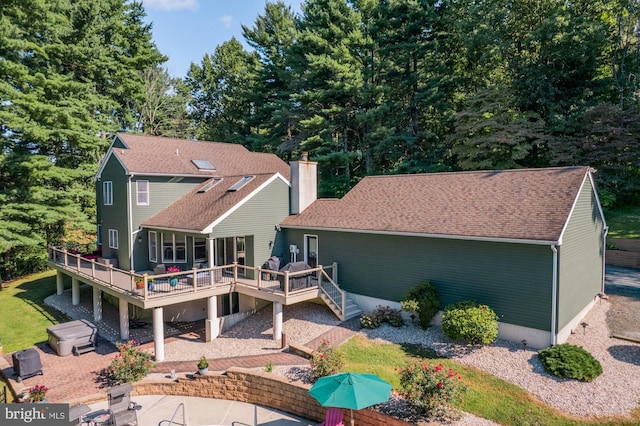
(584, 327)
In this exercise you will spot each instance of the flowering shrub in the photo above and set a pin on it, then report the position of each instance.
(130, 364)
(172, 269)
(433, 391)
(326, 361)
(38, 393)
(380, 315)
(370, 320)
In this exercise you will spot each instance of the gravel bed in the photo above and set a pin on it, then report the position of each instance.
(301, 323)
(615, 392)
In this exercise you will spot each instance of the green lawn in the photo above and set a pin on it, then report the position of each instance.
(25, 317)
(624, 223)
(487, 396)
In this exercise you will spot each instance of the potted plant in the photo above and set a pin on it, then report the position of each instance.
(173, 281)
(203, 365)
(38, 393)
(139, 283)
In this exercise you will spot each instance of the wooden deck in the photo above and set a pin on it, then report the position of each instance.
(171, 288)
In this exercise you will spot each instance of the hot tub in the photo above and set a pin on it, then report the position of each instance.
(72, 337)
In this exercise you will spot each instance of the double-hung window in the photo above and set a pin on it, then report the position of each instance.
(174, 248)
(153, 246)
(142, 191)
(107, 193)
(113, 238)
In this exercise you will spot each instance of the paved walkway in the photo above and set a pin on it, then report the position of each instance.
(80, 378)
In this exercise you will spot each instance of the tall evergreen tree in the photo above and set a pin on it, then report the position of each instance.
(275, 115)
(219, 88)
(68, 73)
(327, 59)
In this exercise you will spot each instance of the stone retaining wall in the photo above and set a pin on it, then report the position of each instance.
(261, 388)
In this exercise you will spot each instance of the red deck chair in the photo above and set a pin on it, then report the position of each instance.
(333, 417)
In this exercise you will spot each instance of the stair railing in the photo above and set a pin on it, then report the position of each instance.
(333, 292)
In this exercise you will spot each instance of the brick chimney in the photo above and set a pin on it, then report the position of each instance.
(304, 183)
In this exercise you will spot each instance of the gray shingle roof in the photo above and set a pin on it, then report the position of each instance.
(525, 204)
(195, 211)
(154, 155)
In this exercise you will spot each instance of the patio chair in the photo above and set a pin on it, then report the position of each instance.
(123, 411)
(333, 417)
(76, 414)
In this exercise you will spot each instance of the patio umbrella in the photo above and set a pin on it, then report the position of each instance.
(350, 390)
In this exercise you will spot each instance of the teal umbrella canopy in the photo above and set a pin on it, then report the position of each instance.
(350, 390)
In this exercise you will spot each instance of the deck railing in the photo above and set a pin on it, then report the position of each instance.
(149, 286)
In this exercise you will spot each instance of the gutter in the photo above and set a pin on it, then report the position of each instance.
(426, 235)
(554, 296)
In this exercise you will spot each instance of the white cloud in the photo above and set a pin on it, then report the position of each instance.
(171, 4)
(226, 21)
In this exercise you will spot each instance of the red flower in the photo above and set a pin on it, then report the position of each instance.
(440, 385)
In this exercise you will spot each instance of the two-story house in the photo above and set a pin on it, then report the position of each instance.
(197, 224)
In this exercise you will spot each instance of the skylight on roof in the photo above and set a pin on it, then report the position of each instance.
(210, 185)
(239, 184)
(203, 164)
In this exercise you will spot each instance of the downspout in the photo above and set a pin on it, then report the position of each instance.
(554, 295)
(604, 254)
(130, 226)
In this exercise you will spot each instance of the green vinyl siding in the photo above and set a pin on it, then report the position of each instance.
(257, 218)
(513, 279)
(580, 257)
(115, 215)
(163, 192)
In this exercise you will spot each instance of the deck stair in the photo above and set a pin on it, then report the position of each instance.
(351, 309)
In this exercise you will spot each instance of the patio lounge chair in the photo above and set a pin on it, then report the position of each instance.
(76, 414)
(333, 417)
(123, 411)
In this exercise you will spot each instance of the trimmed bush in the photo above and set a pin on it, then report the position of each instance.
(423, 299)
(380, 315)
(470, 322)
(570, 362)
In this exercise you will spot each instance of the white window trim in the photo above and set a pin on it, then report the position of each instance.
(153, 254)
(113, 238)
(173, 242)
(204, 259)
(306, 248)
(107, 193)
(138, 193)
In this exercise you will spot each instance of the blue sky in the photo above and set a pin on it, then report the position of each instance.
(184, 30)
